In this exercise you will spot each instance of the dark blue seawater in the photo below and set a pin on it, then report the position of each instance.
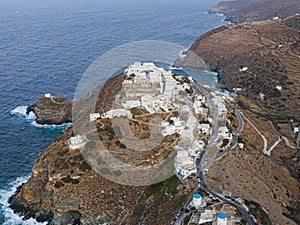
(46, 45)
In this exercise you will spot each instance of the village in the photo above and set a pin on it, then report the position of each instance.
(158, 91)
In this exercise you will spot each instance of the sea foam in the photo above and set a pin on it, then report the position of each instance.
(20, 112)
(10, 217)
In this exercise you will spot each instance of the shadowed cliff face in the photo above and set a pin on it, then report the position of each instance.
(256, 10)
(52, 110)
(261, 58)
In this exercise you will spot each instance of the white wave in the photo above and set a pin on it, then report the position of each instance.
(220, 14)
(183, 53)
(10, 217)
(20, 112)
(174, 68)
(49, 126)
(210, 72)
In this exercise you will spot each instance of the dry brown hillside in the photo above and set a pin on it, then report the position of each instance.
(271, 52)
(255, 10)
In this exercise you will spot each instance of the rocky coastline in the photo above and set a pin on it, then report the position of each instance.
(63, 189)
(51, 110)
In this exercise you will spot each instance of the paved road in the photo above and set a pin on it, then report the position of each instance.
(200, 173)
(201, 167)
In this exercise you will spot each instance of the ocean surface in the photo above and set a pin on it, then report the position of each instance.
(45, 46)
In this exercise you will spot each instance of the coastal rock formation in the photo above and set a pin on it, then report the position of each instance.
(64, 189)
(256, 10)
(52, 110)
(260, 59)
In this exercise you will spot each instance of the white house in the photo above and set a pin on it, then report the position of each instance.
(131, 104)
(207, 216)
(76, 142)
(94, 116)
(241, 145)
(296, 130)
(204, 128)
(224, 133)
(243, 69)
(164, 123)
(169, 130)
(184, 164)
(196, 147)
(117, 113)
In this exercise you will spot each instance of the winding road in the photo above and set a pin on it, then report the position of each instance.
(202, 167)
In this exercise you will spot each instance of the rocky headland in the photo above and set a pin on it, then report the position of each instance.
(51, 110)
(259, 60)
(64, 189)
(256, 10)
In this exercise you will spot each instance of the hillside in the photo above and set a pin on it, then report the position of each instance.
(64, 189)
(256, 10)
(259, 58)
(261, 62)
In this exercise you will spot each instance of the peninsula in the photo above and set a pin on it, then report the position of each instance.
(237, 152)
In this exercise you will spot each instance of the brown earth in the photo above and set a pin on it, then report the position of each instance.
(250, 174)
(270, 50)
(256, 10)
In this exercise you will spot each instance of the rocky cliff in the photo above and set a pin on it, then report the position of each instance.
(52, 110)
(261, 59)
(256, 10)
(64, 189)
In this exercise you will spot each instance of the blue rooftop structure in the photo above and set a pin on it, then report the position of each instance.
(197, 196)
(222, 216)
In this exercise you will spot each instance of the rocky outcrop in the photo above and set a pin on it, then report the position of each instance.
(259, 58)
(256, 10)
(52, 110)
(64, 189)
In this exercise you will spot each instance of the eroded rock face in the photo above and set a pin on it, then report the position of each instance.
(52, 110)
(256, 10)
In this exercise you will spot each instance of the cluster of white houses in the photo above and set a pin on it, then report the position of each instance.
(158, 90)
(218, 100)
(151, 87)
(206, 211)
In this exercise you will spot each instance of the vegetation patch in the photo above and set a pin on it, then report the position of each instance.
(168, 186)
(85, 166)
(259, 213)
(58, 184)
(68, 179)
(62, 153)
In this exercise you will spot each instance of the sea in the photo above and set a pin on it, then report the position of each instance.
(45, 47)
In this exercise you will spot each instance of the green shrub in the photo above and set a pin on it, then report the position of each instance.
(85, 166)
(58, 184)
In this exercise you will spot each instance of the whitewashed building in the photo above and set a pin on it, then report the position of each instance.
(76, 142)
(169, 130)
(184, 164)
(204, 128)
(94, 116)
(131, 104)
(117, 113)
